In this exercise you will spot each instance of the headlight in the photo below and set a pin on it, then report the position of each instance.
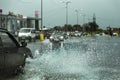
(51, 37)
(61, 37)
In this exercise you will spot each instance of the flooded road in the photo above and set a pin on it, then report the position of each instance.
(85, 58)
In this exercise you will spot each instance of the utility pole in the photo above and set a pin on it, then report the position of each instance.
(67, 2)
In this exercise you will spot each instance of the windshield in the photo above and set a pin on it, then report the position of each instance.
(24, 30)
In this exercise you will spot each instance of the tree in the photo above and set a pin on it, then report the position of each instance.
(57, 28)
(68, 27)
(86, 27)
(93, 26)
(77, 27)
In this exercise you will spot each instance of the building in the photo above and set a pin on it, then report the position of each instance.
(13, 22)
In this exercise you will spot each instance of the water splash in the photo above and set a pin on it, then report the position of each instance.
(83, 59)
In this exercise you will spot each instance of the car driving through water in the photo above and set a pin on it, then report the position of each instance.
(12, 54)
(56, 37)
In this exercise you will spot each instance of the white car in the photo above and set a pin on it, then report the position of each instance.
(27, 34)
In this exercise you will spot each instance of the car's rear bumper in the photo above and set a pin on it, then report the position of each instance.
(24, 38)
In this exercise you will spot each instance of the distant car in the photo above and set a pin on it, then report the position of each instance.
(27, 34)
(56, 37)
(12, 54)
(47, 35)
(115, 34)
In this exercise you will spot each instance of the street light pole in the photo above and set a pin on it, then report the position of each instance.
(41, 14)
(67, 2)
(84, 22)
(77, 15)
(84, 18)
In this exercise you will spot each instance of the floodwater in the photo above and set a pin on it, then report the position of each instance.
(85, 58)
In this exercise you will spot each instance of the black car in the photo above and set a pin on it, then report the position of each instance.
(12, 54)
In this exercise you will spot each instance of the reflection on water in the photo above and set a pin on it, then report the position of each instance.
(91, 58)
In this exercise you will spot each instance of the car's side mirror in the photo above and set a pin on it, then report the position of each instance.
(23, 44)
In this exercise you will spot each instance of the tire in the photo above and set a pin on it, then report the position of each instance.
(19, 69)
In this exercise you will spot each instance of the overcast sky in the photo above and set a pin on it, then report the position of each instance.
(54, 11)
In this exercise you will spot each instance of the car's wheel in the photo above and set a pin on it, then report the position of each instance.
(19, 69)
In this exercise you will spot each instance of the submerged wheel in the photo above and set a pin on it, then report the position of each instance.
(19, 69)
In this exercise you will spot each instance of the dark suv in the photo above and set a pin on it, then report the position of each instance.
(12, 54)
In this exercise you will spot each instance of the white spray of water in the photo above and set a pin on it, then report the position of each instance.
(74, 61)
(36, 54)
